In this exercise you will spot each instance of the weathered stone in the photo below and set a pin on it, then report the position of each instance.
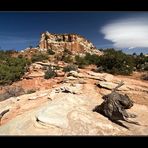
(60, 73)
(67, 114)
(110, 85)
(72, 42)
(71, 78)
(66, 109)
(114, 107)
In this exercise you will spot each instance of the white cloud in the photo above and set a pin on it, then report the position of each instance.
(128, 32)
(131, 48)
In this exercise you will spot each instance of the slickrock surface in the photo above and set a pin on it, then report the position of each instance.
(66, 108)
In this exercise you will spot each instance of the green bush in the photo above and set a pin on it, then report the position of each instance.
(145, 76)
(141, 62)
(50, 73)
(92, 59)
(50, 52)
(116, 62)
(146, 66)
(57, 68)
(39, 57)
(87, 59)
(80, 61)
(67, 59)
(11, 68)
(66, 51)
(70, 68)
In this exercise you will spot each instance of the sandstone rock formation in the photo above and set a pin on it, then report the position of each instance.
(66, 108)
(72, 42)
(35, 70)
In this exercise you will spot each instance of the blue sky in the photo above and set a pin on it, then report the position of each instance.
(122, 30)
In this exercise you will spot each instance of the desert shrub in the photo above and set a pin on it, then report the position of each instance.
(11, 92)
(146, 66)
(4, 96)
(80, 61)
(66, 51)
(50, 52)
(15, 91)
(141, 62)
(12, 69)
(116, 62)
(87, 59)
(50, 73)
(30, 91)
(39, 57)
(67, 59)
(145, 76)
(66, 56)
(92, 58)
(70, 68)
(57, 68)
(5, 54)
(20, 56)
(99, 69)
(57, 57)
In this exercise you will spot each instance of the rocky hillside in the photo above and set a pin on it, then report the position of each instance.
(72, 42)
(58, 97)
(65, 108)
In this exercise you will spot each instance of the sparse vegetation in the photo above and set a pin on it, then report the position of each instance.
(57, 68)
(116, 62)
(66, 57)
(50, 73)
(70, 68)
(39, 57)
(140, 62)
(11, 68)
(87, 60)
(11, 92)
(50, 52)
(30, 91)
(145, 76)
(80, 61)
(92, 58)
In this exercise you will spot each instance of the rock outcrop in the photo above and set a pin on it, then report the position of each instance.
(66, 108)
(74, 43)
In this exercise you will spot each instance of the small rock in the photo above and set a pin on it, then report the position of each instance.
(81, 81)
(60, 73)
(110, 86)
(108, 77)
(71, 78)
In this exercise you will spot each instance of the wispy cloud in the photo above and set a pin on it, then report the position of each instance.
(128, 33)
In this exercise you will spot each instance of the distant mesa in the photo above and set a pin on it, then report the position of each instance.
(74, 43)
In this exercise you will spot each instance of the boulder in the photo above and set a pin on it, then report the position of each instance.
(111, 85)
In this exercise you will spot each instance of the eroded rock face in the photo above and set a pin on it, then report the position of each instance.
(72, 42)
